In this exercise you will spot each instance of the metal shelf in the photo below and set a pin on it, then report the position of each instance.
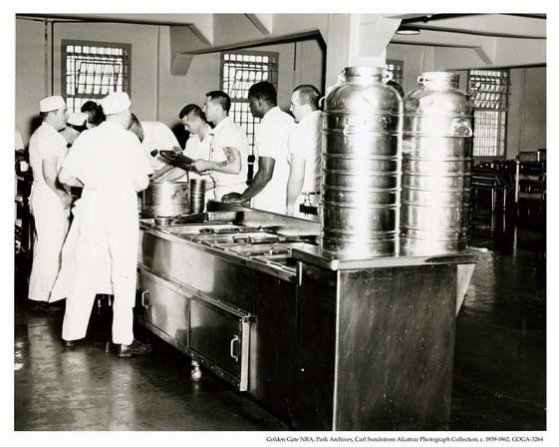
(530, 181)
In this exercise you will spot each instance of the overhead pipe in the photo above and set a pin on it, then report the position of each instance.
(476, 33)
(433, 17)
(421, 24)
(76, 18)
(46, 54)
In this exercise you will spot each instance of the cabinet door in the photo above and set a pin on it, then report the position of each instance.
(165, 308)
(219, 339)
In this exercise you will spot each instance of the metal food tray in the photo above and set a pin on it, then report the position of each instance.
(177, 159)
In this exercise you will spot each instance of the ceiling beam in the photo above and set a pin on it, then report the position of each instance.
(263, 22)
(293, 37)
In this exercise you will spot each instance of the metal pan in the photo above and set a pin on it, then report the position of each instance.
(177, 159)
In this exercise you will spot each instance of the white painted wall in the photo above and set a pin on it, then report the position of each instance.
(34, 82)
(526, 130)
(177, 91)
(30, 75)
(143, 65)
(309, 60)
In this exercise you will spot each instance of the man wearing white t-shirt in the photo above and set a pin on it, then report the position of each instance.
(198, 144)
(268, 188)
(305, 147)
(228, 148)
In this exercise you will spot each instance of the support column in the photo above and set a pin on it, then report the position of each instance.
(357, 39)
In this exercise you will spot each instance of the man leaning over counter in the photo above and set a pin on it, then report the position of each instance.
(227, 164)
(270, 137)
(156, 136)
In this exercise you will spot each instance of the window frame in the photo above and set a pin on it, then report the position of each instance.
(127, 47)
(255, 121)
(500, 113)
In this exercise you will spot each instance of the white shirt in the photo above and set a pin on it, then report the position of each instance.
(228, 134)
(108, 158)
(45, 143)
(271, 138)
(198, 150)
(306, 142)
(157, 136)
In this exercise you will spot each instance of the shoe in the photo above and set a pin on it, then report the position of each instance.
(37, 306)
(70, 344)
(44, 306)
(134, 348)
(53, 307)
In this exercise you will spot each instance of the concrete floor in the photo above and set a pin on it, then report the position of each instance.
(499, 375)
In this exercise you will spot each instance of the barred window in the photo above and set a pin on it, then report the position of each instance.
(489, 90)
(239, 70)
(396, 67)
(92, 70)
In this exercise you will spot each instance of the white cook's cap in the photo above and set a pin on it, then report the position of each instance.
(115, 103)
(77, 119)
(51, 103)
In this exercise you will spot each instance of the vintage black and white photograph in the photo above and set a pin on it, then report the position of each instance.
(287, 222)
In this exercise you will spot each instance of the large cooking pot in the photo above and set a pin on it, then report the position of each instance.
(163, 199)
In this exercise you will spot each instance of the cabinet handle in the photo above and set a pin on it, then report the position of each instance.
(232, 348)
(144, 298)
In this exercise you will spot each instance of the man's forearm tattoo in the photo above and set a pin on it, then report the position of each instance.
(230, 154)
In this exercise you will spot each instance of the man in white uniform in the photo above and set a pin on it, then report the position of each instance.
(198, 144)
(305, 149)
(50, 203)
(270, 137)
(227, 165)
(108, 221)
(156, 136)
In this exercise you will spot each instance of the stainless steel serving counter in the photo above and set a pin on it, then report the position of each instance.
(324, 343)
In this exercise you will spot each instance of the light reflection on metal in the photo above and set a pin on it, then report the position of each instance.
(361, 163)
(437, 158)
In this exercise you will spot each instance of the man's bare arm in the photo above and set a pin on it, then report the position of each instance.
(50, 175)
(261, 179)
(231, 165)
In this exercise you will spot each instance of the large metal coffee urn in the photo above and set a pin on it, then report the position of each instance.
(361, 163)
(437, 157)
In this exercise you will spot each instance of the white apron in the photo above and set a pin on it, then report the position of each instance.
(61, 289)
(108, 223)
(51, 226)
